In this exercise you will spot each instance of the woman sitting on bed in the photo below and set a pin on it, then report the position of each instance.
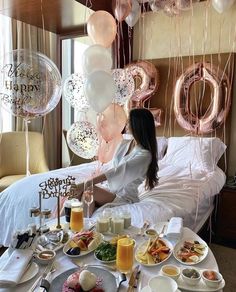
(133, 162)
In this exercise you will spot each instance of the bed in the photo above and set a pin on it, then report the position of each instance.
(189, 178)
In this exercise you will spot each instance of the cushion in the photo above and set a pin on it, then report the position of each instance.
(195, 152)
(161, 145)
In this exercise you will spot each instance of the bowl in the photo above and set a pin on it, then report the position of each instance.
(212, 278)
(191, 276)
(163, 284)
(171, 271)
(46, 256)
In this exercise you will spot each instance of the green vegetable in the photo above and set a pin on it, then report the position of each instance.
(106, 251)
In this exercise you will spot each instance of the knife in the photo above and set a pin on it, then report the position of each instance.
(132, 280)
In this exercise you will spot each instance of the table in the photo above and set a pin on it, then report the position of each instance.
(64, 263)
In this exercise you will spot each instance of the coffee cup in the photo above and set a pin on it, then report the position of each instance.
(163, 284)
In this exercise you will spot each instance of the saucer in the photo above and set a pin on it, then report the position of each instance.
(147, 289)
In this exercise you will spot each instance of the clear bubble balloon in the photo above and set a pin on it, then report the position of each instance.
(30, 84)
(82, 139)
(73, 90)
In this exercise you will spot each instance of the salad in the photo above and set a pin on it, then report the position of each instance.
(106, 251)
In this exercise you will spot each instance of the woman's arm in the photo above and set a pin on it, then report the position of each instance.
(80, 187)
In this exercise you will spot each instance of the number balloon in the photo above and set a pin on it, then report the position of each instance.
(220, 103)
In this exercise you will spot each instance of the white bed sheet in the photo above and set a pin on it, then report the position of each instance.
(179, 193)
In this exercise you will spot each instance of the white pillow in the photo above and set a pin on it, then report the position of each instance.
(194, 152)
(161, 144)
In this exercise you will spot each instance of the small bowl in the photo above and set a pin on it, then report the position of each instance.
(191, 276)
(212, 278)
(163, 284)
(171, 271)
(151, 233)
(46, 256)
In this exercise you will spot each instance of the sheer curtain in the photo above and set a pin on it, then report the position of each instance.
(6, 120)
(25, 36)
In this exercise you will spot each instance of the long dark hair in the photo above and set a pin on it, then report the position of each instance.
(142, 126)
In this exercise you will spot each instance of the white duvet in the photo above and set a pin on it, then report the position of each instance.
(179, 193)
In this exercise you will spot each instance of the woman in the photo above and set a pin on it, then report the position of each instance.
(133, 162)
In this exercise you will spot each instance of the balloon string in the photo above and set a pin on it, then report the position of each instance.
(44, 38)
(27, 147)
(130, 31)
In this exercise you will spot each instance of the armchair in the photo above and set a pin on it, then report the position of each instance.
(13, 156)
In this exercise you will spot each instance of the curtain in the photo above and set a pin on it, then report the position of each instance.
(25, 36)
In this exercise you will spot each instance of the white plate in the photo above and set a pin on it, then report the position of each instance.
(82, 252)
(147, 289)
(104, 262)
(142, 246)
(180, 244)
(30, 273)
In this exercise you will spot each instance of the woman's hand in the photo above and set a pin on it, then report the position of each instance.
(77, 190)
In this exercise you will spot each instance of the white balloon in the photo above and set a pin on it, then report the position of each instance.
(100, 90)
(95, 58)
(134, 15)
(222, 5)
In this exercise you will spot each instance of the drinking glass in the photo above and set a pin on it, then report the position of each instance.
(125, 255)
(88, 196)
(77, 217)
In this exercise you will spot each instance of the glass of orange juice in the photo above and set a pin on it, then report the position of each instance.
(77, 216)
(125, 255)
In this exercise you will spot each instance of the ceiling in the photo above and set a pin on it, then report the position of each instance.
(59, 16)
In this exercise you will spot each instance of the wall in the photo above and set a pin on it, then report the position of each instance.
(201, 31)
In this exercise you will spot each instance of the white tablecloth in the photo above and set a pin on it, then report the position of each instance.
(64, 263)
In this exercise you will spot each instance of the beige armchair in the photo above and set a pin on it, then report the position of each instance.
(13, 156)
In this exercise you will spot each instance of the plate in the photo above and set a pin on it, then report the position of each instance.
(147, 289)
(82, 252)
(104, 262)
(200, 287)
(109, 281)
(53, 240)
(142, 247)
(30, 273)
(180, 244)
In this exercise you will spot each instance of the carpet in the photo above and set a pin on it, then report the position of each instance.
(226, 260)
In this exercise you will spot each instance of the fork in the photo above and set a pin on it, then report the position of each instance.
(49, 269)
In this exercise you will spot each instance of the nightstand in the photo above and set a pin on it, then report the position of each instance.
(226, 215)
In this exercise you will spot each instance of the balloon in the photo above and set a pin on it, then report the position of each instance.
(111, 122)
(183, 4)
(30, 84)
(101, 27)
(121, 9)
(157, 5)
(146, 78)
(222, 5)
(171, 9)
(96, 57)
(124, 85)
(157, 114)
(100, 89)
(73, 90)
(82, 139)
(89, 116)
(134, 15)
(220, 104)
(106, 150)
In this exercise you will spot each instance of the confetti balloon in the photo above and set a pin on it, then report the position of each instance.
(82, 139)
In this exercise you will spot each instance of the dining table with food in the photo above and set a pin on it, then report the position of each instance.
(104, 256)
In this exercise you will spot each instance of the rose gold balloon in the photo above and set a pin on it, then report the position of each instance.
(101, 27)
(106, 150)
(121, 9)
(220, 104)
(111, 122)
(146, 78)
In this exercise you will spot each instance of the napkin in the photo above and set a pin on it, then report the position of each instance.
(175, 228)
(14, 268)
